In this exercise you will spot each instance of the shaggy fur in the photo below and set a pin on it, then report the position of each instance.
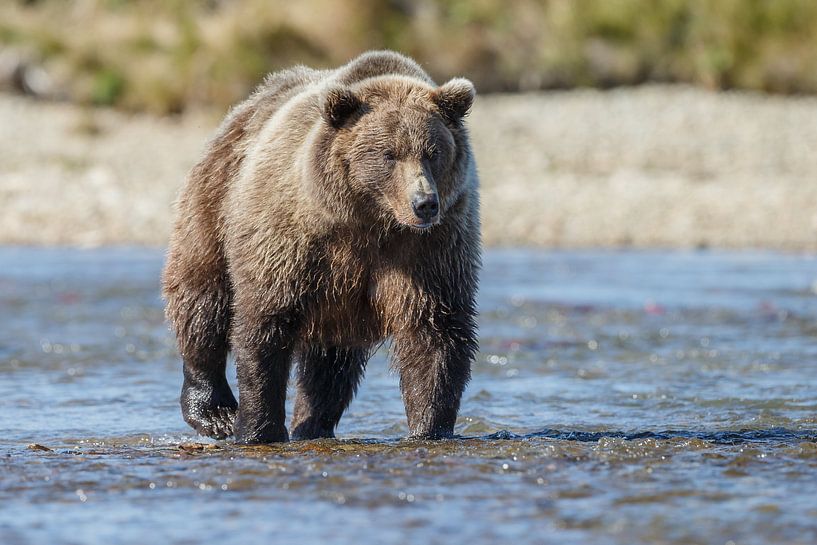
(298, 237)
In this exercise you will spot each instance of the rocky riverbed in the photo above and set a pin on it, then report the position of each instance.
(655, 166)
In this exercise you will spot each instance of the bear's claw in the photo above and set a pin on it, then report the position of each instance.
(210, 411)
(216, 423)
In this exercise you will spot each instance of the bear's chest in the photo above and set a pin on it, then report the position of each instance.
(360, 296)
(342, 309)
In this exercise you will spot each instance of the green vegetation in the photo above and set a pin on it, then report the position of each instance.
(167, 55)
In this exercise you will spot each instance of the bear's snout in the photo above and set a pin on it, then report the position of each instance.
(426, 207)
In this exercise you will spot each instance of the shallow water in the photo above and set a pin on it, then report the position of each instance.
(618, 398)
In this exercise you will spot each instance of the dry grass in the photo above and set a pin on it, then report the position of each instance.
(165, 56)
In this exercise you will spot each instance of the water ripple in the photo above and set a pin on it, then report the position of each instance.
(780, 435)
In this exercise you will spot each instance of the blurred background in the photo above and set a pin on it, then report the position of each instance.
(668, 123)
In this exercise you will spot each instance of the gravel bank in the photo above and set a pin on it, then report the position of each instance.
(656, 166)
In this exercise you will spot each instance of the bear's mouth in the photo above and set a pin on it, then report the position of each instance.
(419, 226)
(422, 226)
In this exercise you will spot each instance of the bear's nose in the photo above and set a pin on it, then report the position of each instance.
(425, 205)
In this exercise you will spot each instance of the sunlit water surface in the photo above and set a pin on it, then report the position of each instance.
(617, 398)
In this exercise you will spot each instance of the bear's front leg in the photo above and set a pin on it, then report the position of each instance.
(208, 404)
(263, 351)
(435, 365)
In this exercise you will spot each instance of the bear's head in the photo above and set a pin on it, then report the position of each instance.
(396, 148)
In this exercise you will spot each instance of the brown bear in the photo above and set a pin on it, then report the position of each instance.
(333, 210)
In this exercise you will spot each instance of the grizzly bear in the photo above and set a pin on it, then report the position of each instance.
(333, 210)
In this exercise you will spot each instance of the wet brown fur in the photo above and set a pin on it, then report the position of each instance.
(294, 239)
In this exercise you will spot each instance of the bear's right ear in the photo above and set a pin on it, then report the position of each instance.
(338, 104)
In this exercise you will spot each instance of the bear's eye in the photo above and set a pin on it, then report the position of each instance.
(389, 156)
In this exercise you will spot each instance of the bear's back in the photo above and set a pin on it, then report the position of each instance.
(278, 88)
(284, 86)
(379, 63)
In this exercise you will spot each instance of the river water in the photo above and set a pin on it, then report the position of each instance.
(619, 397)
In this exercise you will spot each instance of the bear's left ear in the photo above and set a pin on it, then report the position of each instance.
(338, 104)
(454, 99)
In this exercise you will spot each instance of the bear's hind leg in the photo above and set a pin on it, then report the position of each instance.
(200, 316)
(327, 381)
